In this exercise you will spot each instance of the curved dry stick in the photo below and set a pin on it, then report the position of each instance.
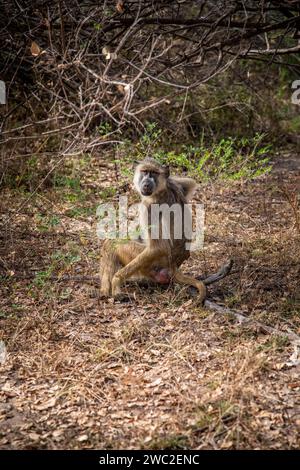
(292, 337)
(223, 272)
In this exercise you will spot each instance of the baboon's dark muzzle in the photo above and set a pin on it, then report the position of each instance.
(147, 188)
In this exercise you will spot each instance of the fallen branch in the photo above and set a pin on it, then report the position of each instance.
(293, 337)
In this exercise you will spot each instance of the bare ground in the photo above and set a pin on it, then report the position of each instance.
(159, 372)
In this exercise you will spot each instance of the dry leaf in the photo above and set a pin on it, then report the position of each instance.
(34, 436)
(155, 382)
(294, 360)
(35, 49)
(108, 54)
(120, 6)
(120, 89)
(3, 352)
(48, 404)
(57, 433)
(226, 445)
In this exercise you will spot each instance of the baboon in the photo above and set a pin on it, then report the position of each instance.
(156, 259)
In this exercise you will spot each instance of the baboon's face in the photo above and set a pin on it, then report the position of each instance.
(150, 178)
(148, 182)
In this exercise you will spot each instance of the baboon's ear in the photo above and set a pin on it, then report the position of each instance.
(167, 170)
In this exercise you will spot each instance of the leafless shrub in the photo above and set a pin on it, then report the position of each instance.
(79, 74)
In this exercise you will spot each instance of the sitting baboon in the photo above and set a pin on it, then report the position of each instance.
(156, 259)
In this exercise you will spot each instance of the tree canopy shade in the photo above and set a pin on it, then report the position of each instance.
(114, 62)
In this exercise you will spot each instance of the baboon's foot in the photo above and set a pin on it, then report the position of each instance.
(116, 287)
(104, 293)
(200, 297)
(193, 292)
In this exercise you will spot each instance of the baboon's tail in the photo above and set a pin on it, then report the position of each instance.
(223, 272)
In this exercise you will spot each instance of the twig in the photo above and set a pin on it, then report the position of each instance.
(293, 337)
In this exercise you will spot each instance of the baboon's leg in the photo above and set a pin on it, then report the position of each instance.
(128, 251)
(141, 262)
(190, 281)
(116, 254)
(105, 284)
(109, 265)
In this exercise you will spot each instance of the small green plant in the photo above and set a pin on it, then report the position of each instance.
(108, 192)
(12, 312)
(45, 223)
(81, 211)
(293, 125)
(97, 26)
(64, 181)
(229, 159)
(42, 277)
(83, 162)
(104, 129)
(275, 342)
(212, 415)
(149, 140)
(69, 186)
(61, 259)
(60, 262)
(126, 163)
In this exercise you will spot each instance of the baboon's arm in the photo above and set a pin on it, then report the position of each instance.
(139, 263)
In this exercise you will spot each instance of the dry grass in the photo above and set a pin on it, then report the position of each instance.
(159, 372)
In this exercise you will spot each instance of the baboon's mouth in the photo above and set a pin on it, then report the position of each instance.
(146, 192)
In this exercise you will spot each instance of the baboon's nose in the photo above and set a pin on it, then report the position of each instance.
(147, 189)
